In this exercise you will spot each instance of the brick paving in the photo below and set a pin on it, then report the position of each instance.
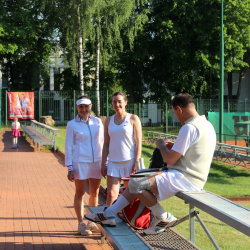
(36, 201)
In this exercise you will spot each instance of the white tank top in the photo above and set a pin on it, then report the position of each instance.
(122, 144)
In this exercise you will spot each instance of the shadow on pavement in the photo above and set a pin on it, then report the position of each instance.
(23, 144)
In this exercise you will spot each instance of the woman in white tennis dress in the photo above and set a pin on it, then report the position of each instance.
(122, 146)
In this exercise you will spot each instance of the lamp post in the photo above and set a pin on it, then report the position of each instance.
(221, 76)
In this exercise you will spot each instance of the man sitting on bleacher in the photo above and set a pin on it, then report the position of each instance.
(188, 163)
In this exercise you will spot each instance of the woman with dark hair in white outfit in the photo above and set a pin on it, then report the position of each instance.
(122, 146)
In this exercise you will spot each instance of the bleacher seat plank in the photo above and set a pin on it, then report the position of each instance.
(41, 134)
(221, 208)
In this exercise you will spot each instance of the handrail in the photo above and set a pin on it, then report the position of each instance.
(45, 126)
(46, 130)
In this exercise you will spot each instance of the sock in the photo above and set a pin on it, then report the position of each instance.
(81, 223)
(158, 211)
(116, 207)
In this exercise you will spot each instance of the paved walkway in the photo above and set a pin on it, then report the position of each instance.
(36, 200)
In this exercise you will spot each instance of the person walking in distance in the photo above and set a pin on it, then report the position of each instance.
(15, 132)
(83, 154)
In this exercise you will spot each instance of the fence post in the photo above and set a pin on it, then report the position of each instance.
(140, 111)
(40, 105)
(6, 109)
(245, 105)
(0, 108)
(107, 103)
(74, 103)
(166, 110)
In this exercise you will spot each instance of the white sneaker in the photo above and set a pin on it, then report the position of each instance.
(92, 227)
(101, 218)
(82, 229)
(158, 226)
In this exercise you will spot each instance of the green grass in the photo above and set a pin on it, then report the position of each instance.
(60, 138)
(224, 180)
(228, 180)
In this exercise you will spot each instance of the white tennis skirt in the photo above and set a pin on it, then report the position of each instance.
(83, 171)
(120, 169)
(171, 182)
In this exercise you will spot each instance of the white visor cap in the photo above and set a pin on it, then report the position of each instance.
(83, 101)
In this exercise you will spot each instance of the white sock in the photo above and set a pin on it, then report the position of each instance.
(158, 211)
(81, 223)
(116, 207)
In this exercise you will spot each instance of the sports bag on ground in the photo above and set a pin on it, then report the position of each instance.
(136, 214)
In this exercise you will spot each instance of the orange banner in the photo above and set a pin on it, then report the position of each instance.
(21, 105)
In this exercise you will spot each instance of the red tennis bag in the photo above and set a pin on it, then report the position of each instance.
(136, 214)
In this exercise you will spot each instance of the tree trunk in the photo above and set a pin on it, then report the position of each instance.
(80, 51)
(97, 77)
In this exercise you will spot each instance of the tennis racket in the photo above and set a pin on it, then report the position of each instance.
(148, 172)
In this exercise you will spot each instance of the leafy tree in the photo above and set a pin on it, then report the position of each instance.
(102, 23)
(27, 28)
(181, 46)
(71, 34)
(182, 40)
(110, 20)
(237, 39)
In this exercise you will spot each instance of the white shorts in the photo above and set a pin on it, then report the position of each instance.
(121, 169)
(171, 182)
(83, 170)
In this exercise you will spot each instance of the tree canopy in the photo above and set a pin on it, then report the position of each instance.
(26, 42)
(150, 48)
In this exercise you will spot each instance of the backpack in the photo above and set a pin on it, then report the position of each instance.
(157, 161)
(136, 214)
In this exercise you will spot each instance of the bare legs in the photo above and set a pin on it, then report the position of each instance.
(78, 200)
(94, 186)
(80, 187)
(113, 186)
(14, 142)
